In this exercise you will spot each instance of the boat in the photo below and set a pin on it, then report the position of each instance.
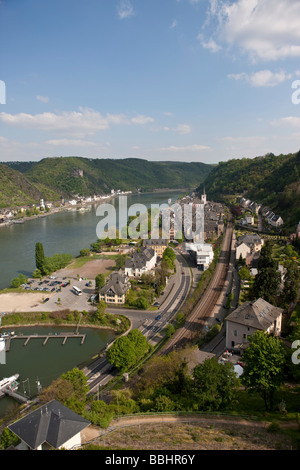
(9, 382)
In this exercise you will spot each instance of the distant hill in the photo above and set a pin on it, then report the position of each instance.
(51, 178)
(273, 181)
(16, 189)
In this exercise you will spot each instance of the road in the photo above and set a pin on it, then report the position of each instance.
(100, 372)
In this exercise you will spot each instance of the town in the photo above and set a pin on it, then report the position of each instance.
(151, 273)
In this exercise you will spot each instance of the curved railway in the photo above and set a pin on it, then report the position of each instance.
(202, 311)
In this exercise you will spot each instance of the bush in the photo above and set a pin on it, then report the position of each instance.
(18, 281)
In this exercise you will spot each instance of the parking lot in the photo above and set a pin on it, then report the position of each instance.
(48, 295)
(59, 293)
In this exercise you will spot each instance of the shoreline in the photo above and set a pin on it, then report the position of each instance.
(79, 206)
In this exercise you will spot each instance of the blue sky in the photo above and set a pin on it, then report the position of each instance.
(181, 80)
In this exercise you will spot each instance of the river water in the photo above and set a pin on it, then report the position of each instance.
(63, 232)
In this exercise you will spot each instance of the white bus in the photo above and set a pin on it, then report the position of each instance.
(76, 290)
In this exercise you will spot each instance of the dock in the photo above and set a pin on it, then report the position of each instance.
(27, 338)
(12, 393)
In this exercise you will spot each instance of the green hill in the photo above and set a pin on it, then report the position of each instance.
(16, 189)
(273, 181)
(51, 178)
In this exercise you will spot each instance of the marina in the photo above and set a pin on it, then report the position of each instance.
(27, 338)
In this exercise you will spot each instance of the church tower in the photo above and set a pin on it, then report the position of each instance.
(203, 197)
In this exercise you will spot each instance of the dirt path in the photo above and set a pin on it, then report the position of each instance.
(201, 432)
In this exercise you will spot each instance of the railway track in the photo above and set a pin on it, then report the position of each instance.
(203, 310)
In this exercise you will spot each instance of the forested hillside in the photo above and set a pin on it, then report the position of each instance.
(16, 189)
(273, 181)
(51, 178)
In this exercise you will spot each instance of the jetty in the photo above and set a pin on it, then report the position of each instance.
(27, 338)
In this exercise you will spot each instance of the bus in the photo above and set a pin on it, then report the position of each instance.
(76, 290)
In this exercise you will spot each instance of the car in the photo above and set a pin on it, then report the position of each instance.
(156, 304)
(158, 317)
(46, 300)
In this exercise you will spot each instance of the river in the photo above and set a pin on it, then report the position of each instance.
(62, 232)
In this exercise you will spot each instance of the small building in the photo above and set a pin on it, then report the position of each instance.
(115, 290)
(141, 262)
(202, 253)
(158, 245)
(248, 244)
(249, 318)
(52, 426)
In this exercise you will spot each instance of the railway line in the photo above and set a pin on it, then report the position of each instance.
(100, 373)
(202, 311)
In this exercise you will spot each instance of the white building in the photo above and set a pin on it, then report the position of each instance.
(202, 253)
(249, 318)
(141, 263)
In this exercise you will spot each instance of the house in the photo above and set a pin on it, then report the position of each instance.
(249, 318)
(250, 219)
(141, 262)
(275, 221)
(115, 290)
(53, 425)
(247, 244)
(158, 245)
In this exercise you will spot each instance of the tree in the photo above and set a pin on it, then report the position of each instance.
(169, 257)
(127, 350)
(215, 384)
(121, 354)
(8, 438)
(18, 281)
(99, 282)
(291, 283)
(244, 273)
(263, 371)
(267, 281)
(39, 257)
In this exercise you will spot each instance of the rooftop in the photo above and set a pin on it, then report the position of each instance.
(52, 423)
(258, 314)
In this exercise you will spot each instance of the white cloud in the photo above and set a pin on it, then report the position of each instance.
(188, 148)
(209, 44)
(263, 78)
(182, 129)
(70, 142)
(291, 121)
(79, 123)
(264, 29)
(141, 119)
(43, 99)
(125, 9)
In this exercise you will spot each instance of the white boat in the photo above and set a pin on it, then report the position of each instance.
(9, 382)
